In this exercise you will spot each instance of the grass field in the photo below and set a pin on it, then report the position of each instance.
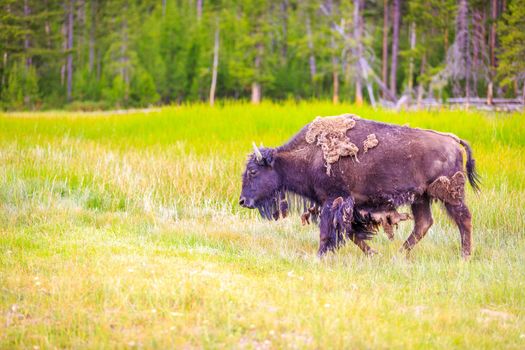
(123, 231)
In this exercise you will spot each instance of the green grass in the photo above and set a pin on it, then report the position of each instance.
(122, 231)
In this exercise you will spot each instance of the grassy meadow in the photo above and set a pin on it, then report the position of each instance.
(122, 231)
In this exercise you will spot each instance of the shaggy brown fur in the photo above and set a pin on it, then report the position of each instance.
(312, 211)
(330, 134)
(370, 142)
(449, 190)
(389, 220)
(409, 167)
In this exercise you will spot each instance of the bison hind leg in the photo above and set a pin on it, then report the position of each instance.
(451, 191)
(463, 219)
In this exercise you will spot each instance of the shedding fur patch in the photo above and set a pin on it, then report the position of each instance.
(370, 142)
(330, 134)
(388, 219)
(449, 190)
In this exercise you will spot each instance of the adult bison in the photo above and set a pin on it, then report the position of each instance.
(348, 166)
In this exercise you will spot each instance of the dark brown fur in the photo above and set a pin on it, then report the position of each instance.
(399, 171)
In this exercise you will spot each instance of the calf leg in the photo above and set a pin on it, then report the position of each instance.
(422, 222)
(388, 228)
(361, 243)
(461, 215)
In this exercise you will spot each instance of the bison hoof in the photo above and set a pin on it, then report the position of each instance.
(372, 252)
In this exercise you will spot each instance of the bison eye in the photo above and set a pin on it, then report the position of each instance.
(253, 172)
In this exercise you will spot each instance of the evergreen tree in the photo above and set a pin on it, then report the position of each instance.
(512, 54)
(127, 53)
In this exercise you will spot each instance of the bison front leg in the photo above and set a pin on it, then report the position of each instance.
(422, 222)
(337, 223)
(329, 239)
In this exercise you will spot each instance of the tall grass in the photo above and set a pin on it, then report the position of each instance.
(121, 230)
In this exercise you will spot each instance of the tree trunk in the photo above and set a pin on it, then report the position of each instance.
(199, 10)
(335, 77)
(63, 31)
(256, 85)
(163, 8)
(124, 59)
(412, 49)
(358, 53)
(523, 94)
(81, 23)
(395, 45)
(47, 27)
(99, 64)
(256, 93)
(215, 66)
(492, 48)
(384, 62)
(335, 74)
(311, 58)
(420, 89)
(92, 30)
(445, 40)
(69, 64)
(463, 42)
(493, 17)
(284, 44)
(27, 37)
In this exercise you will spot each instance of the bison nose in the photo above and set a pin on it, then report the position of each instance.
(246, 202)
(242, 200)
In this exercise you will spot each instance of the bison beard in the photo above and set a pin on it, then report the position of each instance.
(345, 221)
(270, 207)
(281, 202)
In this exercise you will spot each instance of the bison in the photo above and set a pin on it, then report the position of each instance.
(352, 169)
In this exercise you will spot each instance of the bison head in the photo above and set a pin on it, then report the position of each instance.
(261, 184)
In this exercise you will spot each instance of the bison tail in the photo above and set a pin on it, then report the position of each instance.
(472, 175)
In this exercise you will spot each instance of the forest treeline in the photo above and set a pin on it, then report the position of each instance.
(133, 53)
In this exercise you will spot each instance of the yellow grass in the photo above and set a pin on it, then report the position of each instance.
(122, 230)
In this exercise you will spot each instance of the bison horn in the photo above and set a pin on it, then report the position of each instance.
(257, 152)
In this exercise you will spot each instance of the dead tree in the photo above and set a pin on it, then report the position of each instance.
(384, 62)
(463, 42)
(256, 85)
(199, 10)
(358, 51)
(69, 63)
(27, 36)
(411, 64)
(362, 67)
(492, 44)
(396, 14)
(311, 58)
(92, 29)
(215, 65)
